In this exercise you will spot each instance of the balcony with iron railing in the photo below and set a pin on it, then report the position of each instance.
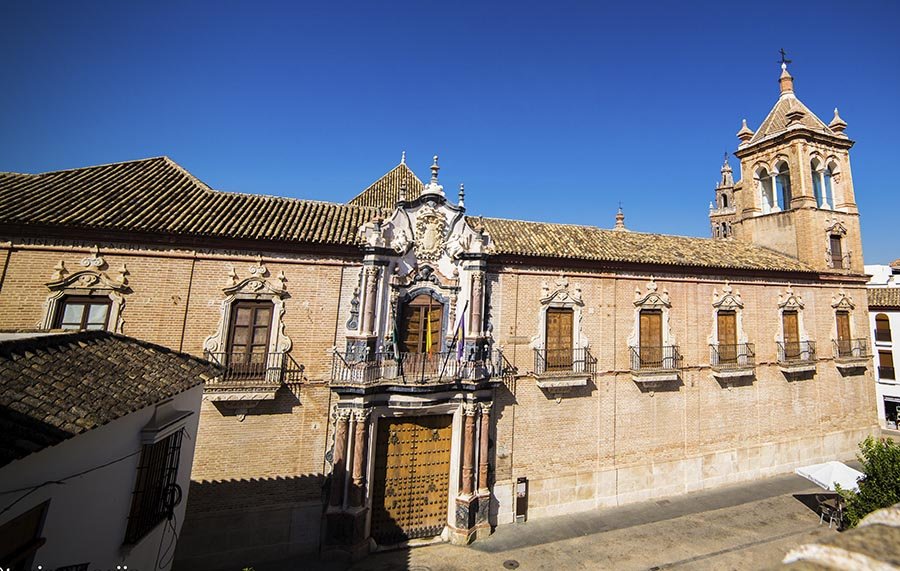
(851, 352)
(561, 368)
(359, 371)
(655, 364)
(797, 356)
(732, 360)
(252, 376)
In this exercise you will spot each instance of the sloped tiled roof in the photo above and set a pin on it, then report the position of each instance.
(517, 237)
(385, 192)
(777, 120)
(53, 387)
(156, 195)
(884, 297)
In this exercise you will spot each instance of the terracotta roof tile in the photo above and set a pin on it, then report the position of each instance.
(517, 237)
(777, 120)
(158, 196)
(55, 386)
(884, 297)
(385, 192)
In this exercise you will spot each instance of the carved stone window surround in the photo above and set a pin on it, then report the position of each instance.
(255, 287)
(91, 281)
(561, 296)
(652, 300)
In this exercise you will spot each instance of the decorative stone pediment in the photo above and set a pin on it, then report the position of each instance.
(789, 300)
(836, 228)
(842, 301)
(560, 293)
(431, 227)
(652, 299)
(88, 279)
(729, 300)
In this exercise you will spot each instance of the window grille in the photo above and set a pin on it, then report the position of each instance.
(155, 490)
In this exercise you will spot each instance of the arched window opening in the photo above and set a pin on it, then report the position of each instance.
(783, 185)
(767, 195)
(828, 183)
(818, 182)
(724, 201)
(422, 325)
(882, 328)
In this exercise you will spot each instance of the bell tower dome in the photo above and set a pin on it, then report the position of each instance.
(796, 192)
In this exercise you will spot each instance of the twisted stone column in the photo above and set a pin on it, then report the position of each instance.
(477, 302)
(358, 478)
(468, 468)
(339, 472)
(371, 292)
(483, 460)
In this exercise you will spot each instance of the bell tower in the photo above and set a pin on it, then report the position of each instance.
(722, 213)
(796, 192)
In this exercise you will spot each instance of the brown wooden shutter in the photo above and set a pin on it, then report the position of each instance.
(843, 326)
(837, 256)
(559, 338)
(651, 338)
(791, 331)
(250, 327)
(727, 330)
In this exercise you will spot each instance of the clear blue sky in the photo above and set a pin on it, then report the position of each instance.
(546, 110)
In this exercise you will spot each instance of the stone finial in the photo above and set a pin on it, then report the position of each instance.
(462, 195)
(786, 81)
(745, 134)
(620, 221)
(403, 158)
(59, 271)
(837, 124)
(433, 186)
(434, 169)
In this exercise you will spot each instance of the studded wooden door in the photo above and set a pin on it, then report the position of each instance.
(412, 478)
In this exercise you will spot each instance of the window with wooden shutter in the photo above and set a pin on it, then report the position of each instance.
(837, 255)
(843, 333)
(726, 326)
(886, 365)
(882, 328)
(791, 331)
(651, 338)
(248, 339)
(559, 333)
(419, 315)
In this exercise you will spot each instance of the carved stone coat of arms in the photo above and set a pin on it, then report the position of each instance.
(430, 229)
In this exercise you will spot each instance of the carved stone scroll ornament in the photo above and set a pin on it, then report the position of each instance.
(789, 300)
(91, 281)
(561, 295)
(257, 286)
(729, 300)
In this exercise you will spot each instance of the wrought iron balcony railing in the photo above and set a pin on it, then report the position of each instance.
(883, 335)
(651, 359)
(851, 348)
(796, 352)
(257, 367)
(886, 373)
(560, 361)
(416, 368)
(737, 356)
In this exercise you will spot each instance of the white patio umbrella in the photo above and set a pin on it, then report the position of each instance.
(827, 474)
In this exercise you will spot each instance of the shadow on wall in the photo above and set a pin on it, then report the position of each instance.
(244, 523)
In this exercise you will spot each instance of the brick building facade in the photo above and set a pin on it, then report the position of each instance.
(396, 365)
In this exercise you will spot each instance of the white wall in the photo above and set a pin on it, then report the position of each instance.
(882, 276)
(88, 515)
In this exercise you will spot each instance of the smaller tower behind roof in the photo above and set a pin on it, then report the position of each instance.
(722, 212)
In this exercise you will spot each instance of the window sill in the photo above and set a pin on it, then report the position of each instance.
(734, 372)
(564, 380)
(798, 367)
(664, 376)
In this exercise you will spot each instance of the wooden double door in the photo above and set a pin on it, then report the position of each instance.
(411, 484)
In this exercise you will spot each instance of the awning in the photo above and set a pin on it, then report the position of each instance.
(828, 474)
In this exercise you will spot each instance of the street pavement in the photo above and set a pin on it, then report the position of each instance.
(742, 527)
